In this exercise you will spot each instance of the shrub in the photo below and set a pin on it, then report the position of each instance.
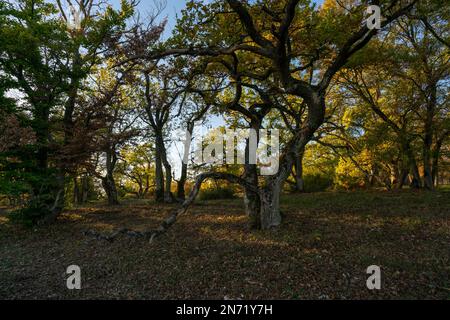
(219, 193)
(317, 182)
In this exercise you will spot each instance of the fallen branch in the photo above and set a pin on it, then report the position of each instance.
(169, 221)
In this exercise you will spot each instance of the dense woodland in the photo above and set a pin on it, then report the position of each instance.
(90, 102)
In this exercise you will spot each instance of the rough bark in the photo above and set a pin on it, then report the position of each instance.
(251, 198)
(108, 182)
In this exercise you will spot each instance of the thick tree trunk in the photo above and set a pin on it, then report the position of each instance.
(270, 215)
(416, 181)
(415, 176)
(56, 204)
(108, 182)
(252, 200)
(109, 186)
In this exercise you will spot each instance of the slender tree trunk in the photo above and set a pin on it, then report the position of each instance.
(403, 174)
(167, 195)
(299, 182)
(181, 183)
(159, 176)
(428, 137)
(84, 189)
(76, 191)
(435, 167)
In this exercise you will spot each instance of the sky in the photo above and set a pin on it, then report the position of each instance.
(172, 8)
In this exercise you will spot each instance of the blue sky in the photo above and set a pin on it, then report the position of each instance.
(173, 7)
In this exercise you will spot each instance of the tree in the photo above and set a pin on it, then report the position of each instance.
(269, 47)
(161, 97)
(137, 169)
(48, 63)
(407, 90)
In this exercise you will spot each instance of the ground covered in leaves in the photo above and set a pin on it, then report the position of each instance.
(321, 251)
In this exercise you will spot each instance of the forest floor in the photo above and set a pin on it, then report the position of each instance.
(321, 251)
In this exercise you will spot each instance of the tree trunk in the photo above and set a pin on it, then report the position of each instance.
(270, 215)
(299, 182)
(109, 186)
(251, 199)
(403, 174)
(181, 183)
(435, 155)
(416, 181)
(428, 137)
(167, 194)
(159, 176)
(181, 192)
(108, 182)
(84, 189)
(415, 176)
(76, 191)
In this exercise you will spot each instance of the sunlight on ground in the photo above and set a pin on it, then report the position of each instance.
(240, 237)
(103, 226)
(214, 219)
(73, 216)
(4, 220)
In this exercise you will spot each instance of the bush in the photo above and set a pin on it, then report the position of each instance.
(317, 182)
(217, 194)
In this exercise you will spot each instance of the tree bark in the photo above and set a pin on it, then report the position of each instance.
(167, 192)
(76, 191)
(159, 176)
(108, 182)
(428, 137)
(181, 183)
(299, 182)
